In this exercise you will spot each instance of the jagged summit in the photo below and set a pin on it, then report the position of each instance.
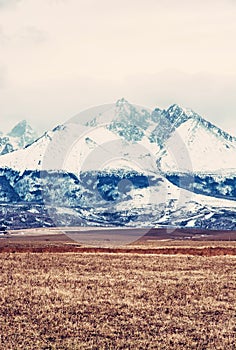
(127, 120)
(19, 129)
(19, 137)
(121, 102)
(177, 114)
(177, 109)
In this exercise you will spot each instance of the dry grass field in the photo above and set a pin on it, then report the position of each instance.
(117, 301)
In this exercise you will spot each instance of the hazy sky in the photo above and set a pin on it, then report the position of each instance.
(58, 57)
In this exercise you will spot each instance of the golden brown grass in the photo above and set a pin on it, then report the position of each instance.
(63, 244)
(117, 301)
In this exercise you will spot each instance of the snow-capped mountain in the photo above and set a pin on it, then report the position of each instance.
(121, 164)
(172, 140)
(190, 143)
(19, 137)
(110, 131)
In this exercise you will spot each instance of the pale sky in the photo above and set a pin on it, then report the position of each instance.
(58, 57)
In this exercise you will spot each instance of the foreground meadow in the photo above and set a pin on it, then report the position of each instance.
(117, 301)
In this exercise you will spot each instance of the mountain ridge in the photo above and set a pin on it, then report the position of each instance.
(174, 136)
(121, 164)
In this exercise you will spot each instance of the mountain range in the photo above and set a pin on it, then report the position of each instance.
(121, 164)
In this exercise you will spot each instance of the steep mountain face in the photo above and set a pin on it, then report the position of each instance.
(121, 164)
(190, 143)
(122, 118)
(19, 137)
